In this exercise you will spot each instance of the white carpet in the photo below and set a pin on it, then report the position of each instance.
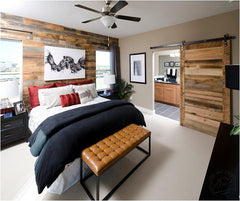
(175, 170)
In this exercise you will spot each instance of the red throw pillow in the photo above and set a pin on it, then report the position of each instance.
(60, 84)
(73, 83)
(33, 94)
(85, 82)
(70, 99)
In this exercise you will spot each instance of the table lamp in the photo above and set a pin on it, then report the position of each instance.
(109, 79)
(8, 89)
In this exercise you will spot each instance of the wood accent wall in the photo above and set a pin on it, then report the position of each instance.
(44, 33)
(205, 100)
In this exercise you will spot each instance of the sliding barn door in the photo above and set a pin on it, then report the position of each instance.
(205, 102)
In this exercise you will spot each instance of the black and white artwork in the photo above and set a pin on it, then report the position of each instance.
(177, 64)
(138, 68)
(171, 63)
(63, 63)
(166, 64)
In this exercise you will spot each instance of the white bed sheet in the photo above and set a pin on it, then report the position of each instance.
(70, 175)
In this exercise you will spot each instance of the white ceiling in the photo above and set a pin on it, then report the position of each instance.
(154, 14)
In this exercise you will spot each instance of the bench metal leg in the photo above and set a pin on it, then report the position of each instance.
(83, 179)
(148, 153)
(97, 188)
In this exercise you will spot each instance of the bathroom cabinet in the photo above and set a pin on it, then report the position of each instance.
(167, 93)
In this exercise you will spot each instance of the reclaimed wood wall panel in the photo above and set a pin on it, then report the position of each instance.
(205, 54)
(44, 33)
(204, 112)
(205, 100)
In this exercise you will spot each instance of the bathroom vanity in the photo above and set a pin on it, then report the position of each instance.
(167, 92)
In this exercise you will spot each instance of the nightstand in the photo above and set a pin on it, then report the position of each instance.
(14, 129)
(109, 95)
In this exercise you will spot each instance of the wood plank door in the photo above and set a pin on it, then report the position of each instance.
(205, 102)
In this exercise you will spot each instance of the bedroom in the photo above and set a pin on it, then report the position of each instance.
(213, 25)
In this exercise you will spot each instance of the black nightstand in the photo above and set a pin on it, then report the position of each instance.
(14, 129)
(109, 95)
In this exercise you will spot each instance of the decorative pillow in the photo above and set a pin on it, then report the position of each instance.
(70, 99)
(33, 94)
(73, 83)
(91, 87)
(51, 97)
(63, 84)
(85, 95)
(85, 82)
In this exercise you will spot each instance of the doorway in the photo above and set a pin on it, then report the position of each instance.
(167, 83)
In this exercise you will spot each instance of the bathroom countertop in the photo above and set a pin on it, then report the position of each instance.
(166, 82)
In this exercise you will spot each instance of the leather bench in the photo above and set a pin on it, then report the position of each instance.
(102, 155)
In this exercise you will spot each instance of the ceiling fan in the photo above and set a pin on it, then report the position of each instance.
(108, 14)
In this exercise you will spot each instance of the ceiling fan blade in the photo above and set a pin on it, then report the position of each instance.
(91, 20)
(118, 6)
(114, 26)
(87, 8)
(124, 17)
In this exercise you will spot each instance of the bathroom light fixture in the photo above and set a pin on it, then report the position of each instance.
(107, 20)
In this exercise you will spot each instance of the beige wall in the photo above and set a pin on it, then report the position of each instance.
(206, 28)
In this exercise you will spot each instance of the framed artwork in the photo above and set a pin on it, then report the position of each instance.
(19, 107)
(177, 64)
(166, 64)
(63, 63)
(138, 68)
(171, 63)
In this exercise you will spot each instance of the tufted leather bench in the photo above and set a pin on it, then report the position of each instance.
(102, 155)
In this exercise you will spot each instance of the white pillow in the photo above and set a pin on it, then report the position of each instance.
(91, 87)
(85, 95)
(50, 97)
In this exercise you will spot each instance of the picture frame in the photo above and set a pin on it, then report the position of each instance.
(166, 64)
(177, 64)
(19, 107)
(137, 63)
(171, 63)
(62, 63)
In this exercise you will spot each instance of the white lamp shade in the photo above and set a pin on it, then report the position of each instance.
(9, 89)
(108, 21)
(109, 79)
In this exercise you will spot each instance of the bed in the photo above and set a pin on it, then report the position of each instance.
(95, 118)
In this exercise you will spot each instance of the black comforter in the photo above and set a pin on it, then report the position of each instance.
(60, 138)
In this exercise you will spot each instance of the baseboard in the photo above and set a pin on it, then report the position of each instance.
(145, 110)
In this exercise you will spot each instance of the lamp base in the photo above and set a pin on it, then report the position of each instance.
(105, 92)
(6, 106)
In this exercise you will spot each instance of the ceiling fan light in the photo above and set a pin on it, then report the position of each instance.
(108, 21)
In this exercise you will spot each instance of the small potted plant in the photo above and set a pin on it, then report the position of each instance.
(123, 89)
(235, 130)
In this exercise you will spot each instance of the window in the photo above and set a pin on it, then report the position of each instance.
(102, 68)
(11, 62)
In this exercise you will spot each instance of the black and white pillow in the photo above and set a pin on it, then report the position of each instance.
(91, 87)
(85, 95)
